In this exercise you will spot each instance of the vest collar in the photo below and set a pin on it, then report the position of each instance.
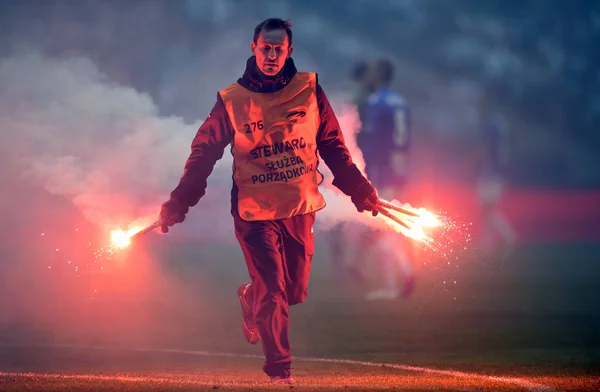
(254, 80)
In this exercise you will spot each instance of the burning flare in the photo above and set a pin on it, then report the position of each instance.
(438, 233)
(122, 239)
(420, 225)
(414, 222)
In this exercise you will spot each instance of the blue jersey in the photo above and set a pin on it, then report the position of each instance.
(386, 133)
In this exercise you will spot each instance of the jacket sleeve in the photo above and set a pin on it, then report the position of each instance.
(333, 150)
(207, 148)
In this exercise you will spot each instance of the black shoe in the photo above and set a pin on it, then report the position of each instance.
(248, 326)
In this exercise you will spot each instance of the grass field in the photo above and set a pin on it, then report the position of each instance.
(534, 316)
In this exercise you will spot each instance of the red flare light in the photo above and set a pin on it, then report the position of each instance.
(122, 239)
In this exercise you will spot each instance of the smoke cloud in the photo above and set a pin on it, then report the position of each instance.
(96, 123)
(80, 136)
(75, 142)
(96, 116)
(69, 129)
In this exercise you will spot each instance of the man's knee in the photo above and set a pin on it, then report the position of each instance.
(297, 295)
(268, 299)
(279, 296)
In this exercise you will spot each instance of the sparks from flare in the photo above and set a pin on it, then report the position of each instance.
(119, 240)
(444, 238)
(83, 265)
(435, 232)
(418, 226)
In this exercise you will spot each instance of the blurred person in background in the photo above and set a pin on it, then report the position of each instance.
(344, 268)
(278, 122)
(492, 164)
(386, 139)
(363, 88)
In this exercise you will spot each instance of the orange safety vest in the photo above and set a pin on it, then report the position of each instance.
(275, 149)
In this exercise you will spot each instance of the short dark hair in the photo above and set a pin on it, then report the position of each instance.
(274, 24)
(385, 68)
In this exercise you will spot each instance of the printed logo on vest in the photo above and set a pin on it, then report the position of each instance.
(296, 117)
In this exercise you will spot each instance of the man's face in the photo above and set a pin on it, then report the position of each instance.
(271, 49)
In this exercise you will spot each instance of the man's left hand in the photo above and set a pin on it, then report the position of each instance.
(172, 212)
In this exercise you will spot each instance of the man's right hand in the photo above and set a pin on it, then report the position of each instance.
(172, 212)
(366, 199)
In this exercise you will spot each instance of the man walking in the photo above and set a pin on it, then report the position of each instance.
(278, 122)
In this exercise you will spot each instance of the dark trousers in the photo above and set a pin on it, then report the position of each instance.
(278, 255)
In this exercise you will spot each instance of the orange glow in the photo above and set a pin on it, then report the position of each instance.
(122, 239)
(427, 219)
(418, 226)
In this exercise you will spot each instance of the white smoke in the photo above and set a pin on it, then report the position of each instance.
(104, 146)
(80, 136)
(339, 206)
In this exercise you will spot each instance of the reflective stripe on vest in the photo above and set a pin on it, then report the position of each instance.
(275, 149)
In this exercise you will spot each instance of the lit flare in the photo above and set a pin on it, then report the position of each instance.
(414, 222)
(122, 239)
